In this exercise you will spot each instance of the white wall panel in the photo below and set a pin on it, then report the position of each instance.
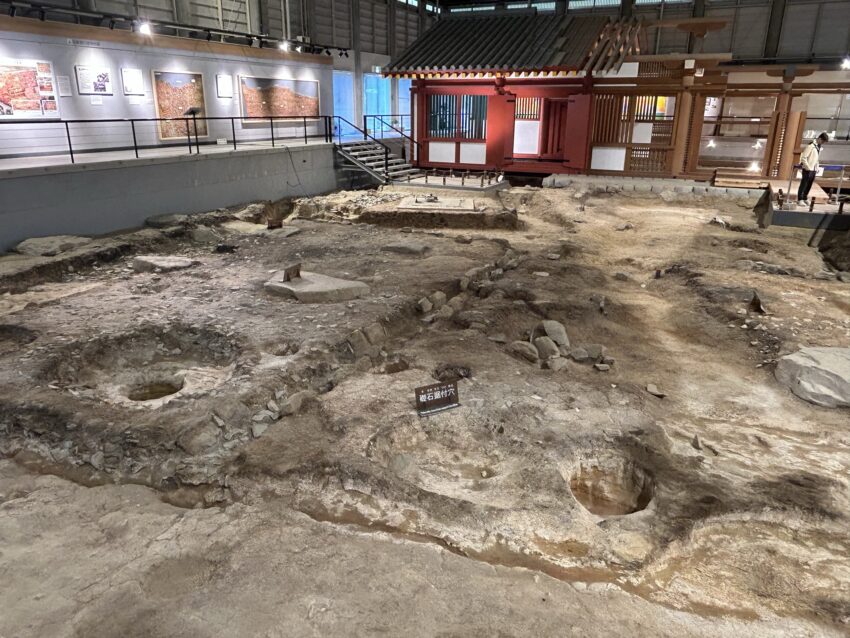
(608, 159)
(527, 137)
(441, 152)
(473, 153)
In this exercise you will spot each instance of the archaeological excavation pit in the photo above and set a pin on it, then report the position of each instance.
(147, 368)
(611, 484)
(156, 389)
(12, 337)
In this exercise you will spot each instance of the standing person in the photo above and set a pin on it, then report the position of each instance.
(810, 160)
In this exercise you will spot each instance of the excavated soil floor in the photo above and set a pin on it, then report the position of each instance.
(184, 453)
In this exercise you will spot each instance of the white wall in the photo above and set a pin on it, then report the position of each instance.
(26, 139)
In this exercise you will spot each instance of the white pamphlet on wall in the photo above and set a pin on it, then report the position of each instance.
(224, 85)
(63, 84)
(133, 81)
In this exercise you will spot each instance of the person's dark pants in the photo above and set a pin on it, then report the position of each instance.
(806, 182)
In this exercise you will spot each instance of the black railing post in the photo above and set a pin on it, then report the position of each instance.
(271, 128)
(70, 146)
(135, 143)
(188, 135)
(305, 130)
(387, 161)
(233, 131)
(365, 127)
(197, 143)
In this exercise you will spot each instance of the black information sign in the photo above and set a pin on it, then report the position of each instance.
(436, 398)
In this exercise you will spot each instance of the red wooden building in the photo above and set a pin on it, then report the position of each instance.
(544, 93)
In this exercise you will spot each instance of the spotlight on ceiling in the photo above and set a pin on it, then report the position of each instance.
(755, 167)
(283, 46)
(145, 28)
(845, 64)
(298, 49)
(711, 144)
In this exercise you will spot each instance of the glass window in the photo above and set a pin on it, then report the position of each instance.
(377, 97)
(344, 94)
(404, 105)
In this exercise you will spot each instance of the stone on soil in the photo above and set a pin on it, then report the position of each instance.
(312, 287)
(818, 375)
(556, 332)
(161, 263)
(406, 248)
(546, 348)
(50, 246)
(525, 350)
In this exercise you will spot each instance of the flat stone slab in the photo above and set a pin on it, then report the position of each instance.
(161, 263)
(420, 203)
(407, 248)
(312, 287)
(818, 375)
(50, 246)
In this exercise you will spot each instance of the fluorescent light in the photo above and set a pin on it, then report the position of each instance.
(846, 63)
(145, 28)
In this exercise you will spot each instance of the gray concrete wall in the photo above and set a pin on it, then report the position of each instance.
(108, 196)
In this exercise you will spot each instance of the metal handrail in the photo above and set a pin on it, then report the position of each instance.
(380, 118)
(366, 136)
(191, 126)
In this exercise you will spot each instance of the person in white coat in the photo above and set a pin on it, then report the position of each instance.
(810, 161)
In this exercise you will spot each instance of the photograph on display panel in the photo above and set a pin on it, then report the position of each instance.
(174, 93)
(93, 80)
(27, 89)
(268, 97)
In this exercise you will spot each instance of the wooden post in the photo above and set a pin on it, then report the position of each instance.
(681, 123)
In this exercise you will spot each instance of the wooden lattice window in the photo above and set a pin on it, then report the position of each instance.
(527, 108)
(457, 117)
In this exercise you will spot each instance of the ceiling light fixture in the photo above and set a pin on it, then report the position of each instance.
(846, 63)
(755, 167)
(145, 28)
(283, 46)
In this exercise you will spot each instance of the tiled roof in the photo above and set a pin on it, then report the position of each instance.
(501, 42)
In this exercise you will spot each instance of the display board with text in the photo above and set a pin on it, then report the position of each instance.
(174, 94)
(267, 97)
(27, 89)
(94, 80)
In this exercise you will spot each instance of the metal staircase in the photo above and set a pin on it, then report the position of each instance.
(357, 147)
(377, 160)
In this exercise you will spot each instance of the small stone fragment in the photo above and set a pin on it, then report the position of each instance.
(546, 348)
(556, 364)
(579, 354)
(556, 332)
(602, 367)
(438, 299)
(424, 305)
(525, 350)
(654, 391)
